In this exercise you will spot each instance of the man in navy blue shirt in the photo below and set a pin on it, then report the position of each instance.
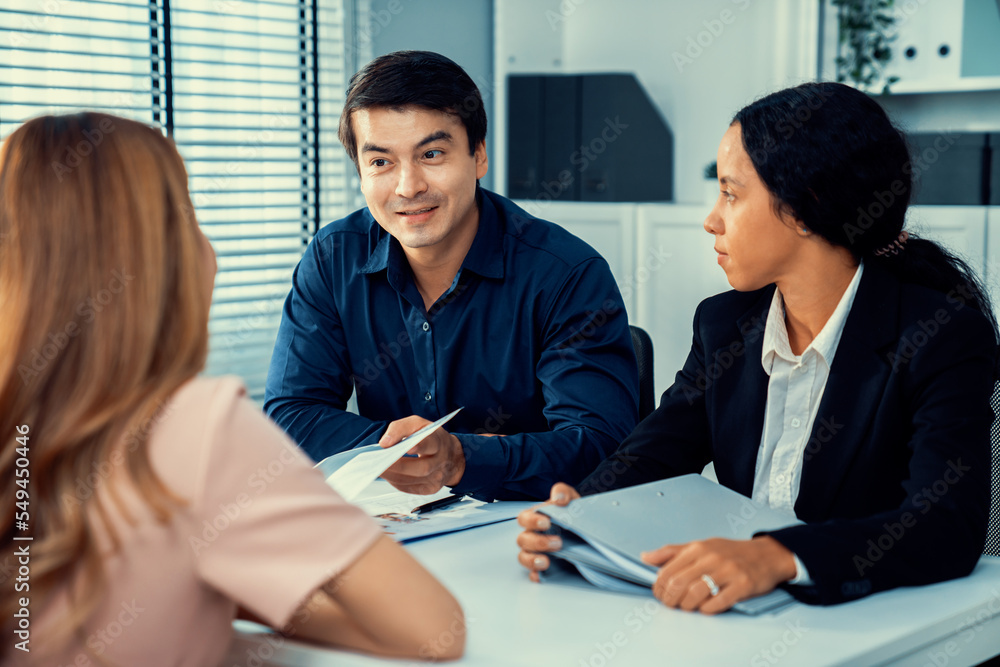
(440, 295)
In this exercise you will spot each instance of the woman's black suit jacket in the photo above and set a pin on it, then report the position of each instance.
(896, 475)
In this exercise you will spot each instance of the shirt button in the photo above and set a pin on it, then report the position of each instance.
(426, 326)
(780, 479)
(795, 422)
(428, 396)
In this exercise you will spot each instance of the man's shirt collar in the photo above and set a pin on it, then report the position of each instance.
(485, 256)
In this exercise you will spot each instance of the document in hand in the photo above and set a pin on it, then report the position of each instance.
(350, 472)
(608, 531)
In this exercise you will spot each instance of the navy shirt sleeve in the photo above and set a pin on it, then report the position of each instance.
(589, 379)
(309, 380)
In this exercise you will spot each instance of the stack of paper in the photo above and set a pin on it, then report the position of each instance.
(354, 475)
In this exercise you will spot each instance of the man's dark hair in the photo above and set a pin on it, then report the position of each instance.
(414, 78)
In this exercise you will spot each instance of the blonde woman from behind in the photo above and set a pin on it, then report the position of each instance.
(158, 504)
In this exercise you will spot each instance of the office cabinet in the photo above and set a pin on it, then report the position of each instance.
(961, 229)
(993, 145)
(525, 183)
(949, 168)
(676, 269)
(588, 137)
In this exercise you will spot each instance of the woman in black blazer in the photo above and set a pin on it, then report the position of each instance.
(846, 378)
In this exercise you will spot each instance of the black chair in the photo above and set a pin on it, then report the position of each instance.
(993, 533)
(643, 345)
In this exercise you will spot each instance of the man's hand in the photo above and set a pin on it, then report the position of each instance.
(441, 460)
(741, 569)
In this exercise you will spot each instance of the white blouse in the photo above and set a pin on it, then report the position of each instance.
(794, 392)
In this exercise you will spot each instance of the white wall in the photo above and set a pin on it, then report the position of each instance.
(459, 29)
(699, 61)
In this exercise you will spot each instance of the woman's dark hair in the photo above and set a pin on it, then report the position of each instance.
(832, 159)
(414, 78)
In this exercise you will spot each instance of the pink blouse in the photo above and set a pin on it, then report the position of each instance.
(260, 529)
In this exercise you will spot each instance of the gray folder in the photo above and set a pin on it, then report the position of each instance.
(621, 524)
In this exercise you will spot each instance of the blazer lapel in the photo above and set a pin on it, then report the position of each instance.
(742, 398)
(857, 381)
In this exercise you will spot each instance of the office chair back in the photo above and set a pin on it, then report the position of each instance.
(993, 534)
(643, 345)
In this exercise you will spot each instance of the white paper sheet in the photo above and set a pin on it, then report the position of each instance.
(354, 476)
(380, 497)
(467, 514)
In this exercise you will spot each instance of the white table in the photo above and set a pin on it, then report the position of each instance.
(515, 622)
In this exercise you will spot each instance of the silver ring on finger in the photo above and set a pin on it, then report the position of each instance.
(713, 588)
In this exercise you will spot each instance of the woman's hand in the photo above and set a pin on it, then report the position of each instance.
(532, 542)
(740, 569)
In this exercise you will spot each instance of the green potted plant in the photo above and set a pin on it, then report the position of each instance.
(865, 32)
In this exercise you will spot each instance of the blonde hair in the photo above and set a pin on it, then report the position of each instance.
(104, 315)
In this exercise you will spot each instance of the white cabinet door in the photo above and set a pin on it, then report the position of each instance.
(676, 269)
(608, 227)
(961, 229)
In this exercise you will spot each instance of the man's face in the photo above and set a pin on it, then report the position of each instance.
(417, 175)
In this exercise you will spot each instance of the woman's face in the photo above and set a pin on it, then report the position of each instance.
(756, 247)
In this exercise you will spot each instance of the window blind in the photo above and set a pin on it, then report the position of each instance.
(60, 57)
(250, 93)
